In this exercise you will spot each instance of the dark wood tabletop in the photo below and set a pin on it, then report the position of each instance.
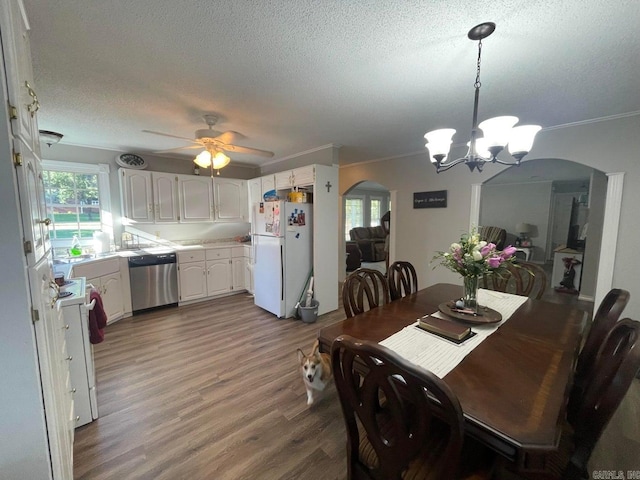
(513, 386)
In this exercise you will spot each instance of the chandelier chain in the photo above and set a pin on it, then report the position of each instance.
(478, 84)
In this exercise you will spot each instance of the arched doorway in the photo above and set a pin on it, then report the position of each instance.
(609, 201)
(363, 206)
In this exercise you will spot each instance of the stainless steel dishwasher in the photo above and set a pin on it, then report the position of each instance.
(154, 280)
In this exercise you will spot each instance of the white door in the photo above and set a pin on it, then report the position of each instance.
(192, 281)
(196, 199)
(165, 197)
(238, 273)
(54, 368)
(230, 200)
(268, 275)
(31, 187)
(136, 195)
(218, 276)
(112, 296)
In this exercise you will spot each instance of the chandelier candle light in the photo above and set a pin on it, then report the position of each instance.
(498, 131)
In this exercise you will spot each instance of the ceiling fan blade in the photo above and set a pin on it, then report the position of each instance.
(252, 151)
(179, 148)
(169, 135)
(229, 137)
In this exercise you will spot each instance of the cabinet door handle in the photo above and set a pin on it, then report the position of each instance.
(70, 358)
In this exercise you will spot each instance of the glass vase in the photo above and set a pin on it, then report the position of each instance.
(470, 298)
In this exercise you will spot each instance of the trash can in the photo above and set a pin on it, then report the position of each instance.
(309, 314)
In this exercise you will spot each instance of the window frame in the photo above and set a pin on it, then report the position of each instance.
(102, 171)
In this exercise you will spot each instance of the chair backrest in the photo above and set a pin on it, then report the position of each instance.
(495, 235)
(364, 289)
(616, 365)
(608, 313)
(530, 278)
(389, 416)
(402, 279)
(527, 279)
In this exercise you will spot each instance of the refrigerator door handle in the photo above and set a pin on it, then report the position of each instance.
(282, 272)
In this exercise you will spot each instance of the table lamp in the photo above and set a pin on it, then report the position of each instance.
(524, 229)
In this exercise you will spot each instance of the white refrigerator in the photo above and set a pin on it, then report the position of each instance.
(283, 256)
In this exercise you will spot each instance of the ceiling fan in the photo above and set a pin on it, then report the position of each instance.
(214, 143)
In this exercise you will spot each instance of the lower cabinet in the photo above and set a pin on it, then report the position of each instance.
(109, 280)
(211, 272)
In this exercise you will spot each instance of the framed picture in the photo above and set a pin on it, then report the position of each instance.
(435, 199)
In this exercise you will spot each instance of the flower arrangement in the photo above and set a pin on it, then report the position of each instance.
(472, 257)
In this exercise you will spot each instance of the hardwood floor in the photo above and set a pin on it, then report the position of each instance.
(212, 391)
(209, 391)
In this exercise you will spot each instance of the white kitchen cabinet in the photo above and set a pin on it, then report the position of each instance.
(30, 181)
(239, 263)
(22, 92)
(218, 277)
(196, 198)
(192, 275)
(268, 183)
(219, 271)
(165, 197)
(298, 177)
(109, 280)
(230, 200)
(136, 196)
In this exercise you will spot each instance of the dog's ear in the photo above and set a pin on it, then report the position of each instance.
(300, 355)
(316, 348)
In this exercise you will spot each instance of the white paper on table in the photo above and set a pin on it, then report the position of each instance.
(440, 355)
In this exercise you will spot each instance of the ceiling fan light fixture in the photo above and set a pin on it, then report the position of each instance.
(203, 160)
(220, 160)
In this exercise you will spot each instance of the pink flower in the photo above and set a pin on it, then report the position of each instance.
(487, 249)
(494, 262)
(508, 252)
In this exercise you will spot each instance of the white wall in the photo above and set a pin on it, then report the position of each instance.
(526, 203)
(609, 146)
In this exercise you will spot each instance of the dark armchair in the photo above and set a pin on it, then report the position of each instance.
(495, 235)
(371, 241)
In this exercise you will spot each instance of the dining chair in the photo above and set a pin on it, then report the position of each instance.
(521, 278)
(606, 316)
(402, 279)
(402, 421)
(615, 367)
(363, 290)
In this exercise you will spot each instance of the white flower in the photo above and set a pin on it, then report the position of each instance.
(476, 255)
(455, 246)
(482, 244)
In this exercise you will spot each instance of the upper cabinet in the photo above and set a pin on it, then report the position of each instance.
(165, 197)
(23, 98)
(230, 200)
(298, 177)
(196, 198)
(136, 195)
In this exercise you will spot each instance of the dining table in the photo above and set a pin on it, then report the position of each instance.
(513, 386)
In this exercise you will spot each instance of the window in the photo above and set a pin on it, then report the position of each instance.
(354, 214)
(78, 203)
(375, 206)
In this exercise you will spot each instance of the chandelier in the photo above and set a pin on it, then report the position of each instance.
(497, 132)
(212, 157)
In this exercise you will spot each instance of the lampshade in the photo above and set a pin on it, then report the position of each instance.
(203, 159)
(49, 137)
(523, 228)
(497, 130)
(220, 160)
(439, 141)
(522, 137)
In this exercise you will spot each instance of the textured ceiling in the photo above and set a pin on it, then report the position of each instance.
(371, 76)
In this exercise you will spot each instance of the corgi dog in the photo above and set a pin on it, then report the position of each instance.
(316, 371)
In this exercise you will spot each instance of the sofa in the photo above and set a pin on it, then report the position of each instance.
(370, 241)
(495, 235)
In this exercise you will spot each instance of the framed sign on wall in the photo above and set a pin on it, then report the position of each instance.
(436, 199)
